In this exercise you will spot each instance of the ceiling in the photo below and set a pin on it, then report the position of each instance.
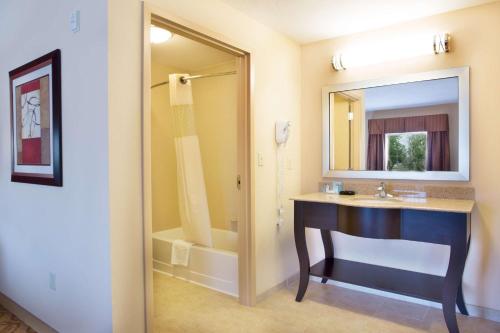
(411, 95)
(187, 55)
(311, 20)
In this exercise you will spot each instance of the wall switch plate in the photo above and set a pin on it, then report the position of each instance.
(52, 281)
(260, 159)
(234, 224)
(74, 21)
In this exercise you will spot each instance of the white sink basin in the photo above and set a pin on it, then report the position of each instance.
(377, 200)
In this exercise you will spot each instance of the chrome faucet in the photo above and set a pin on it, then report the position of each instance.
(382, 192)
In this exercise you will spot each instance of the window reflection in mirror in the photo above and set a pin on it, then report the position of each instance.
(399, 127)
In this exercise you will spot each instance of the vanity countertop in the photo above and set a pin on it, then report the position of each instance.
(370, 201)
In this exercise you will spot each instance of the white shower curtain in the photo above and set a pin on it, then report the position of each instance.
(193, 205)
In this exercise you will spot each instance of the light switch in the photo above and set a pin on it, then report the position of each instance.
(260, 159)
(74, 21)
(52, 281)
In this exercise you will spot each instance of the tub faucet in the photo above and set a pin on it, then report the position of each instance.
(382, 192)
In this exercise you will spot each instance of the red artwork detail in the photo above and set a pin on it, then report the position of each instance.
(32, 151)
(30, 86)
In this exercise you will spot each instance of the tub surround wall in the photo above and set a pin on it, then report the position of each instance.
(472, 31)
(214, 104)
(165, 206)
(215, 109)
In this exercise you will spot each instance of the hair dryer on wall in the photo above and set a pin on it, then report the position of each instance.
(282, 134)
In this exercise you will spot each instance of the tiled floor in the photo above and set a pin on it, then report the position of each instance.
(11, 324)
(184, 307)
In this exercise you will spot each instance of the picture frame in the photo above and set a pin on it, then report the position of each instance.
(36, 124)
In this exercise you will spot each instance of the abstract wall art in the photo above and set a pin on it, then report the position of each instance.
(35, 90)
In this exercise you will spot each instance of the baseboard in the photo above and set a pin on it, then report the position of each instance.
(24, 315)
(474, 310)
(263, 295)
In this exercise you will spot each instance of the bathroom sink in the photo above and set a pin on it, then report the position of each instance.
(377, 200)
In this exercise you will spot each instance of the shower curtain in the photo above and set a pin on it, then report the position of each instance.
(193, 205)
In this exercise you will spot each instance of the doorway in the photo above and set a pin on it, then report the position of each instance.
(218, 75)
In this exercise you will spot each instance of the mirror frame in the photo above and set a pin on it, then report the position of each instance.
(463, 126)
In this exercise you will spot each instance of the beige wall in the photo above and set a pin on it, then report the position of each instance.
(215, 109)
(473, 33)
(124, 40)
(340, 133)
(340, 109)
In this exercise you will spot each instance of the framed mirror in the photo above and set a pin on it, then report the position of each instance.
(408, 127)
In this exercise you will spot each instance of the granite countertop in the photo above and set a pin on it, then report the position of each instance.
(370, 201)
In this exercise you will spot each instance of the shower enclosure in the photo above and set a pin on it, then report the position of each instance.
(213, 260)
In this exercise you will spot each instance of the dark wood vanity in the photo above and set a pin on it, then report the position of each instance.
(438, 221)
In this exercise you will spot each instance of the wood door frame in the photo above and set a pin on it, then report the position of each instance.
(246, 230)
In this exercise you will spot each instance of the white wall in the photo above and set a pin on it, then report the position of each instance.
(60, 230)
(472, 31)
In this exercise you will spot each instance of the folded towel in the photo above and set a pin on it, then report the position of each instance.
(180, 252)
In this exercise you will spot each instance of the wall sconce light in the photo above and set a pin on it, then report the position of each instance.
(385, 51)
(441, 43)
(337, 62)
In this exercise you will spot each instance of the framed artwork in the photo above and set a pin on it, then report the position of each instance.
(35, 92)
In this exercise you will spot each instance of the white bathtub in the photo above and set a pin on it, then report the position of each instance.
(215, 268)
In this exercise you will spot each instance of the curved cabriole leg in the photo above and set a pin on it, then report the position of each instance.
(326, 236)
(461, 302)
(460, 294)
(452, 282)
(300, 244)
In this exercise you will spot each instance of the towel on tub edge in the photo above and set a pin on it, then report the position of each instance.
(180, 252)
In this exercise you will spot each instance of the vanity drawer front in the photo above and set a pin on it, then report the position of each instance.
(433, 227)
(378, 223)
(319, 215)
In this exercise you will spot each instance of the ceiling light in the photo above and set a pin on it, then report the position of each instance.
(159, 35)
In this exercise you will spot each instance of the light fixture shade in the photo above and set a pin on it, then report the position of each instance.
(337, 63)
(391, 48)
(159, 35)
(441, 43)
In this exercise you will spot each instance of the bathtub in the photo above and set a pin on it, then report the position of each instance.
(215, 268)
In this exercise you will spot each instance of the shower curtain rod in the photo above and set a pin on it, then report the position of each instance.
(185, 79)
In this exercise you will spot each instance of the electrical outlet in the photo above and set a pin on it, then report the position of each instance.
(52, 281)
